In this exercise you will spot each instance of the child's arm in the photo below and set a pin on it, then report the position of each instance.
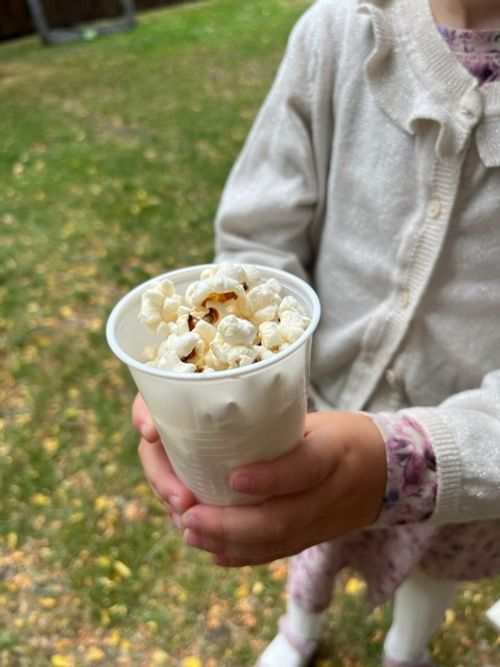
(465, 434)
(272, 207)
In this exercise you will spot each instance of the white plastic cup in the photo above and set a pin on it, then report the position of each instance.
(210, 423)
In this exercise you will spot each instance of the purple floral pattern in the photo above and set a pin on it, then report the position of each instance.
(477, 50)
(410, 492)
(384, 557)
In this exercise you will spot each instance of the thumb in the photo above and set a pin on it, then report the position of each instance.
(307, 466)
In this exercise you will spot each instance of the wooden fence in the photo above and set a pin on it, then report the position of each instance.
(15, 18)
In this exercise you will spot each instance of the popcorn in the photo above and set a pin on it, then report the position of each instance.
(292, 325)
(262, 302)
(270, 336)
(236, 331)
(232, 356)
(169, 361)
(160, 305)
(234, 271)
(218, 288)
(205, 331)
(229, 318)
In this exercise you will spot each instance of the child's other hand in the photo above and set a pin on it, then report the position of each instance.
(332, 483)
(159, 473)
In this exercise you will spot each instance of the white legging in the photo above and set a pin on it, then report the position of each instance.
(419, 607)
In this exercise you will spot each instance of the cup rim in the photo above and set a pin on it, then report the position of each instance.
(216, 375)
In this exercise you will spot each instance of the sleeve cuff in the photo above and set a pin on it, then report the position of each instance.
(411, 488)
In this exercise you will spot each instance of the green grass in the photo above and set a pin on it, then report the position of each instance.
(113, 154)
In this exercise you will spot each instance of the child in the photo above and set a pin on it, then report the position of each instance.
(373, 171)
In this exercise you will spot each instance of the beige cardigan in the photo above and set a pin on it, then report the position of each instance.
(373, 170)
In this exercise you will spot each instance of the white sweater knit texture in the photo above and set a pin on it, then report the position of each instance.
(373, 171)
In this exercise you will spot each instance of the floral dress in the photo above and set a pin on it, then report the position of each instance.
(477, 50)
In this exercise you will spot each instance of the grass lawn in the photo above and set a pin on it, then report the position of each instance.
(112, 158)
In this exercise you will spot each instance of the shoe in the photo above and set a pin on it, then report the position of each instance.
(305, 649)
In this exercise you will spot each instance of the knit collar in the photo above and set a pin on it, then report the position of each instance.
(415, 77)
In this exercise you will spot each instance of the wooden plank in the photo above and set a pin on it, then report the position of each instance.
(15, 19)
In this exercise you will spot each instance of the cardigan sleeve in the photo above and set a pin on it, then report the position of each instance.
(465, 435)
(443, 462)
(273, 203)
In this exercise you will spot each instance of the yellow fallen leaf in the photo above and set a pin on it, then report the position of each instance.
(103, 561)
(102, 503)
(122, 569)
(354, 586)
(257, 588)
(191, 661)
(66, 312)
(105, 617)
(48, 603)
(95, 654)
(118, 610)
(114, 638)
(449, 617)
(377, 636)
(40, 499)
(242, 591)
(278, 570)
(160, 657)
(50, 445)
(62, 661)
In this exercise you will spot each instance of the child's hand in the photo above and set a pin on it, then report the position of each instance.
(331, 484)
(156, 465)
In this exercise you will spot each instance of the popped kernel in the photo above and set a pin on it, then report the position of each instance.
(233, 318)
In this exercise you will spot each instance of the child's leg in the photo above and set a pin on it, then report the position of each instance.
(310, 583)
(419, 606)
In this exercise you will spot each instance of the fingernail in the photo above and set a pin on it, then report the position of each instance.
(177, 520)
(146, 431)
(175, 501)
(192, 539)
(242, 483)
(189, 520)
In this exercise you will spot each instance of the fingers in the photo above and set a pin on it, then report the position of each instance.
(307, 466)
(162, 478)
(241, 554)
(274, 520)
(142, 420)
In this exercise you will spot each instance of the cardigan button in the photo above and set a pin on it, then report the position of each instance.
(434, 208)
(391, 377)
(471, 105)
(404, 298)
